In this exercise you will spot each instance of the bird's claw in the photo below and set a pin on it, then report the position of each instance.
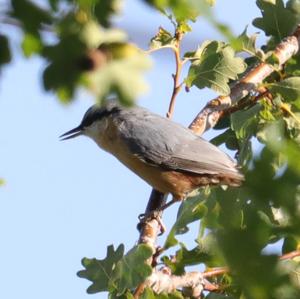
(146, 217)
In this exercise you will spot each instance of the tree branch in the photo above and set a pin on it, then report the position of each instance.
(211, 113)
(163, 281)
(290, 255)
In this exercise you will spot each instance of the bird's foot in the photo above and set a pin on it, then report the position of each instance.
(146, 217)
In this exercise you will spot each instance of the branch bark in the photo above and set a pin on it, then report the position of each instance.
(163, 281)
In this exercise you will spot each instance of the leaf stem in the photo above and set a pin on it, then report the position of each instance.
(179, 62)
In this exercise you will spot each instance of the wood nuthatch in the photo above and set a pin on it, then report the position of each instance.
(170, 157)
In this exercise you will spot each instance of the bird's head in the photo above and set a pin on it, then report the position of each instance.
(94, 121)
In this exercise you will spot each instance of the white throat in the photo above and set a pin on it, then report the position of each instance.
(96, 131)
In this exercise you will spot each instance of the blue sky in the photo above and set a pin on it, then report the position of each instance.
(66, 200)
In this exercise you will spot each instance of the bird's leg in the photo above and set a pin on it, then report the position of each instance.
(156, 200)
(168, 204)
(156, 214)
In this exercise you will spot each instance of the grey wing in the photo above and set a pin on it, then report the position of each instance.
(164, 143)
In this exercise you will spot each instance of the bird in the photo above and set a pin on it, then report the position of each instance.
(168, 156)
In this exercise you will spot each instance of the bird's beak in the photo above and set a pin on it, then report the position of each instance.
(72, 133)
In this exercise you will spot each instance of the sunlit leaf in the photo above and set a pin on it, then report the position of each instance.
(117, 272)
(277, 19)
(132, 269)
(100, 272)
(246, 43)
(288, 88)
(182, 10)
(31, 45)
(162, 39)
(122, 77)
(213, 66)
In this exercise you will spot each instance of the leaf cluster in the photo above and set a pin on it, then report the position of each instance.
(80, 49)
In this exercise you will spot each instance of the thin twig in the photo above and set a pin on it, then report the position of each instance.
(176, 86)
(285, 107)
(290, 255)
(215, 272)
(158, 49)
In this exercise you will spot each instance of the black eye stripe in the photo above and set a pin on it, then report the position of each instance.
(97, 113)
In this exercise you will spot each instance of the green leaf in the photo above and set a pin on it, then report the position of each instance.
(231, 207)
(293, 127)
(133, 269)
(292, 66)
(115, 295)
(267, 112)
(54, 4)
(31, 44)
(228, 137)
(162, 39)
(288, 88)
(290, 244)
(149, 294)
(245, 43)
(99, 59)
(63, 74)
(218, 296)
(277, 20)
(122, 77)
(213, 67)
(182, 10)
(31, 16)
(117, 272)
(2, 182)
(256, 273)
(100, 272)
(205, 252)
(103, 10)
(223, 123)
(190, 210)
(93, 36)
(5, 55)
(244, 122)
